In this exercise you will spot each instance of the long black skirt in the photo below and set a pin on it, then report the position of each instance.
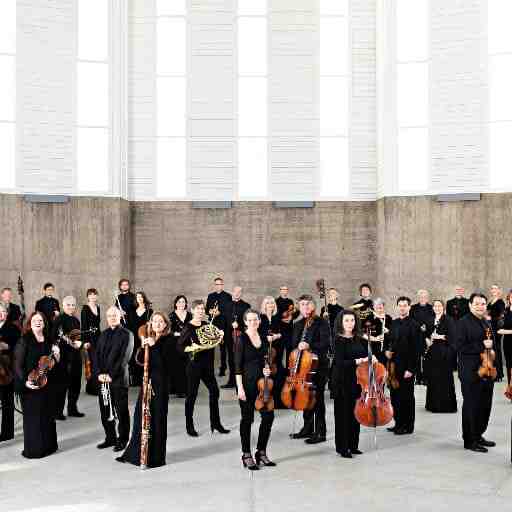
(39, 428)
(158, 433)
(439, 365)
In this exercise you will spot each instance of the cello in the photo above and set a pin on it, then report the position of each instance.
(298, 391)
(373, 408)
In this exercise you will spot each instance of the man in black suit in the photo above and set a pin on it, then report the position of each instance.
(459, 305)
(472, 340)
(404, 340)
(223, 321)
(113, 352)
(13, 310)
(48, 305)
(314, 337)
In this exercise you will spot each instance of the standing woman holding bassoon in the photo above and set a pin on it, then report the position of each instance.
(34, 357)
(350, 350)
(252, 370)
(157, 336)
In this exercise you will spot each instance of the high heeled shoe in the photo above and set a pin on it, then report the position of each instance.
(192, 432)
(220, 429)
(249, 463)
(262, 459)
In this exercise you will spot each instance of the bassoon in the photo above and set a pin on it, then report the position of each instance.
(145, 432)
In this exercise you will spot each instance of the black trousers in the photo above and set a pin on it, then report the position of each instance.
(404, 404)
(7, 411)
(227, 352)
(314, 419)
(267, 418)
(346, 427)
(476, 408)
(71, 383)
(119, 397)
(195, 374)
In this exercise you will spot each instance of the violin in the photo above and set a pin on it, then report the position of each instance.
(373, 408)
(265, 400)
(287, 315)
(298, 391)
(487, 357)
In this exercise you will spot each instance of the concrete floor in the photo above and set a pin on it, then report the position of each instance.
(426, 471)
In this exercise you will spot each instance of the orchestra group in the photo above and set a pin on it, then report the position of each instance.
(282, 354)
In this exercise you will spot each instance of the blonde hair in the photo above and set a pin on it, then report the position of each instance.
(268, 300)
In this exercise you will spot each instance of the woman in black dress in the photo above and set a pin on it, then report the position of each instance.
(137, 316)
(39, 429)
(505, 335)
(90, 319)
(440, 363)
(178, 318)
(496, 310)
(270, 329)
(160, 343)
(249, 368)
(350, 350)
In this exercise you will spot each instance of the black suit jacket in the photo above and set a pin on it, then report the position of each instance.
(113, 352)
(317, 336)
(404, 340)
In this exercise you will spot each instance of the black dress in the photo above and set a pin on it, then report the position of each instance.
(39, 429)
(178, 376)
(135, 321)
(507, 342)
(345, 390)
(159, 366)
(249, 363)
(496, 311)
(440, 362)
(91, 321)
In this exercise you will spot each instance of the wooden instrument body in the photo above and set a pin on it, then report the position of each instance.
(298, 391)
(6, 369)
(373, 408)
(265, 400)
(39, 375)
(487, 369)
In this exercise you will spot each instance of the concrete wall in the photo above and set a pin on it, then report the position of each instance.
(426, 244)
(81, 244)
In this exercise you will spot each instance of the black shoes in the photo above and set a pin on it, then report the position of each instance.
(391, 429)
(191, 431)
(120, 446)
(483, 442)
(346, 454)
(263, 460)
(220, 429)
(301, 434)
(75, 414)
(106, 444)
(356, 452)
(229, 385)
(249, 463)
(60, 417)
(315, 439)
(121, 459)
(403, 431)
(222, 372)
(476, 448)
(6, 438)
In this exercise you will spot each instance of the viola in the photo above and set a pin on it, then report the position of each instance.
(487, 357)
(265, 400)
(373, 408)
(298, 391)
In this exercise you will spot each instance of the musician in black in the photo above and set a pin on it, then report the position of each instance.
(48, 305)
(90, 319)
(13, 310)
(39, 429)
(287, 313)
(68, 373)
(125, 300)
(457, 307)
(402, 352)
(239, 307)
(9, 336)
(179, 318)
(495, 311)
(316, 339)
(476, 392)
(251, 366)
(199, 368)
(350, 350)
(505, 331)
(364, 306)
(423, 313)
(333, 308)
(223, 321)
(380, 326)
(113, 353)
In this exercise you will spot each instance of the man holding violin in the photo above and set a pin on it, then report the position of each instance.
(473, 344)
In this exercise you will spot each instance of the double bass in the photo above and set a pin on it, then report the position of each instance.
(298, 391)
(373, 408)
